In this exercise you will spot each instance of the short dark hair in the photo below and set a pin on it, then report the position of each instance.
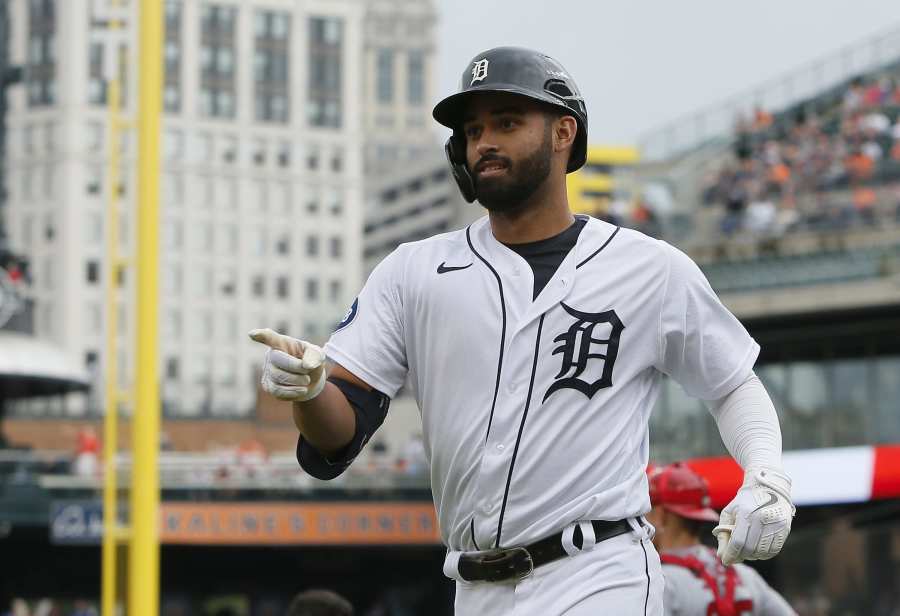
(319, 603)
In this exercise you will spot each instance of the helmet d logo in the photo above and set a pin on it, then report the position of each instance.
(479, 71)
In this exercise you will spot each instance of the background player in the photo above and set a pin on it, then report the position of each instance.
(534, 342)
(697, 584)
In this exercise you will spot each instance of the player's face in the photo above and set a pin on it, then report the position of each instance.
(509, 146)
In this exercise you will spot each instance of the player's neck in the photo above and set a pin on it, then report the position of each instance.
(546, 214)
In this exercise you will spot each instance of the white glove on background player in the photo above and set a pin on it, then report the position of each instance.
(294, 369)
(755, 525)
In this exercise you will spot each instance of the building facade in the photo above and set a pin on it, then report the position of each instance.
(270, 116)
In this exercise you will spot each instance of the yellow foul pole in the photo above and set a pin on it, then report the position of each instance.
(143, 571)
(110, 428)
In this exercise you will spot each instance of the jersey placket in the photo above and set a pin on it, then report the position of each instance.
(516, 397)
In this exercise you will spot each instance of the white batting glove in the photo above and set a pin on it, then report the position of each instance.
(294, 370)
(755, 525)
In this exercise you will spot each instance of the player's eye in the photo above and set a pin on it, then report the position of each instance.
(472, 132)
(507, 123)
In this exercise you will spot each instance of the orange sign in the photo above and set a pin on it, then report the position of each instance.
(299, 523)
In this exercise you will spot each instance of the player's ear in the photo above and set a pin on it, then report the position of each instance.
(565, 128)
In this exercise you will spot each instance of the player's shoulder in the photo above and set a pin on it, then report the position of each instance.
(616, 242)
(410, 257)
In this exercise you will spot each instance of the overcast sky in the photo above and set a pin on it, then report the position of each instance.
(640, 64)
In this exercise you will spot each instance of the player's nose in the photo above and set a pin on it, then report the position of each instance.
(484, 147)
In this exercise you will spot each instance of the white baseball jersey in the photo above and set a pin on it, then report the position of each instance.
(535, 411)
(687, 594)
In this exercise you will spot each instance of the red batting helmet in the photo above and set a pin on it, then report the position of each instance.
(682, 491)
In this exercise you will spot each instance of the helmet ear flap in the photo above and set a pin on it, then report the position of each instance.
(455, 149)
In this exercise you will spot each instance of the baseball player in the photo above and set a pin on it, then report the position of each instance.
(534, 342)
(697, 583)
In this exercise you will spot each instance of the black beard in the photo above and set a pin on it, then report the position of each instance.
(507, 193)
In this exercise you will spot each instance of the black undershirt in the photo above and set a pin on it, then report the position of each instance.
(545, 256)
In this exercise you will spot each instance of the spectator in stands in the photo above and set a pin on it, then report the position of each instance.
(319, 603)
(859, 166)
(873, 94)
(378, 456)
(87, 453)
(83, 608)
(760, 217)
(762, 119)
(853, 98)
(414, 455)
(864, 199)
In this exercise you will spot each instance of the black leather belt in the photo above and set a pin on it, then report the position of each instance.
(517, 563)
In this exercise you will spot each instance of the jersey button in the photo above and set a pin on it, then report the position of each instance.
(515, 271)
(500, 447)
(488, 508)
(512, 387)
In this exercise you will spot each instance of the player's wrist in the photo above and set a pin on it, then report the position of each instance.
(770, 477)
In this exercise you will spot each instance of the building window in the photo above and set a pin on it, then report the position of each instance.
(40, 70)
(172, 58)
(98, 87)
(173, 369)
(271, 66)
(283, 245)
(280, 196)
(172, 235)
(324, 93)
(229, 149)
(312, 159)
(312, 246)
(312, 289)
(259, 241)
(260, 196)
(172, 280)
(282, 286)
(95, 136)
(259, 151)
(172, 324)
(92, 272)
(258, 285)
(231, 244)
(173, 144)
(415, 73)
(205, 232)
(95, 181)
(336, 247)
(334, 290)
(228, 281)
(337, 161)
(384, 76)
(218, 54)
(284, 154)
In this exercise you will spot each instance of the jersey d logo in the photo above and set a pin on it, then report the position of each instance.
(479, 71)
(583, 353)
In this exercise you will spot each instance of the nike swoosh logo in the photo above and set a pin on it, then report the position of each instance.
(443, 269)
(772, 500)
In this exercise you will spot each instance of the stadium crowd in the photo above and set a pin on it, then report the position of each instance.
(827, 164)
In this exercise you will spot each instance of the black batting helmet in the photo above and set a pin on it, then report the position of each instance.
(515, 70)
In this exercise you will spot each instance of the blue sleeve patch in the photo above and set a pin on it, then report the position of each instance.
(348, 318)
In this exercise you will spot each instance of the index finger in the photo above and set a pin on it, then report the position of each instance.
(276, 341)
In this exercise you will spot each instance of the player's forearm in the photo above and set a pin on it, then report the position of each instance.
(327, 421)
(749, 425)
